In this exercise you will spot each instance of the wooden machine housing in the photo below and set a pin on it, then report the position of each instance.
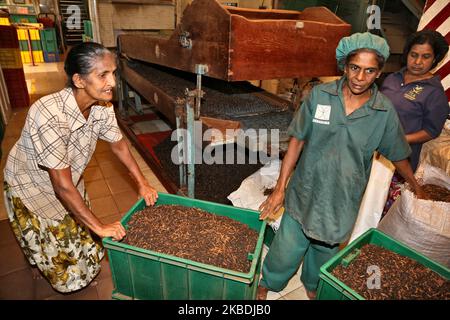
(245, 44)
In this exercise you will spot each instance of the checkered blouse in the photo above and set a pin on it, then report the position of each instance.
(56, 135)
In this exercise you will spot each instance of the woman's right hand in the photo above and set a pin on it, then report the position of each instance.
(114, 230)
(420, 193)
(272, 204)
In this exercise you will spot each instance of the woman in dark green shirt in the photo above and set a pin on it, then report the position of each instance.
(334, 135)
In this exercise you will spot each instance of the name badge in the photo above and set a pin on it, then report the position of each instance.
(322, 114)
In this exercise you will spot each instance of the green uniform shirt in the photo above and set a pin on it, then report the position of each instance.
(327, 186)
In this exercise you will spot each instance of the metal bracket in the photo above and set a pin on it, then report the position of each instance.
(185, 40)
(201, 69)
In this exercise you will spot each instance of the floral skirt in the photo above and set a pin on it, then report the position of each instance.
(64, 251)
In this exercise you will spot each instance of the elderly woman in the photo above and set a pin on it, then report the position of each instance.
(334, 135)
(45, 196)
(418, 97)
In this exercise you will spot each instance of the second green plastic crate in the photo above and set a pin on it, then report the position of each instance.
(23, 18)
(331, 288)
(88, 28)
(35, 45)
(143, 274)
(48, 40)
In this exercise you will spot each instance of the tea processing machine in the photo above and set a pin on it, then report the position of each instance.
(201, 73)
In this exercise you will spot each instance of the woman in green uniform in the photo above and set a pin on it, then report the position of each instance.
(333, 137)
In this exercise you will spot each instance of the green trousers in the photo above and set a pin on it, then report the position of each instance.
(289, 247)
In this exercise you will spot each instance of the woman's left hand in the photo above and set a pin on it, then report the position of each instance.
(149, 194)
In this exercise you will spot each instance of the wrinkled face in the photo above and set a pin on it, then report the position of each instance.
(420, 59)
(361, 71)
(99, 83)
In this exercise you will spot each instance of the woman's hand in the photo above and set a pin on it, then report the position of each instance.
(149, 194)
(404, 168)
(275, 201)
(420, 193)
(272, 204)
(114, 230)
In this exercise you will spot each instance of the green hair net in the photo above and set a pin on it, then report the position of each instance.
(360, 41)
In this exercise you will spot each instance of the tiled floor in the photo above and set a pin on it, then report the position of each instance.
(111, 191)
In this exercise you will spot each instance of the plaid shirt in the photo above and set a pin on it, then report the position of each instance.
(56, 135)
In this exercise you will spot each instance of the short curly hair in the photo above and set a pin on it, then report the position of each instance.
(433, 38)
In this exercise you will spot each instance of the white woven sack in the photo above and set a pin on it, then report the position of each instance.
(423, 225)
(375, 195)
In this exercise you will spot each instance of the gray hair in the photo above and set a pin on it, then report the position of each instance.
(81, 59)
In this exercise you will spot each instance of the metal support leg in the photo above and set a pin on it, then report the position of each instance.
(191, 149)
(138, 103)
(181, 145)
(126, 94)
(120, 84)
(193, 103)
(200, 69)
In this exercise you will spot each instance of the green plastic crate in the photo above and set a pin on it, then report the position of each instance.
(48, 40)
(331, 288)
(35, 45)
(87, 24)
(143, 274)
(23, 18)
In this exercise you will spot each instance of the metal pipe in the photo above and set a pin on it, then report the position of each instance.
(180, 145)
(191, 147)
(200, 69)
(199, 97)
